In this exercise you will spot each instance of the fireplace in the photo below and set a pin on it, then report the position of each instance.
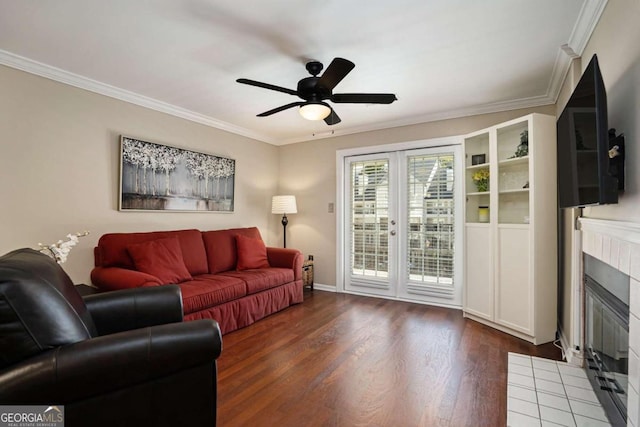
(607, 336)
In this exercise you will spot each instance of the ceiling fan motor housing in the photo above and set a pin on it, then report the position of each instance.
(309, 90)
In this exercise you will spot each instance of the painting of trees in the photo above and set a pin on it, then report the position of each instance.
(160, 177)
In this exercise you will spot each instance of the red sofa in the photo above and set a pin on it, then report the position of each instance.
(226, 275)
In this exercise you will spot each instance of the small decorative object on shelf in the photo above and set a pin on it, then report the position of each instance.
(478, 159)
(60, 250)
(483, 213)
(307, 272)
(481, 179)
(523, 148)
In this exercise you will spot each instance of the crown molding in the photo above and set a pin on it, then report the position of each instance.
(587, 20)
(53, 73)
(586, 23)
(561, 67)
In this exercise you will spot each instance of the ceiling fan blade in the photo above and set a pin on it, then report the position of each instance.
(332, 119)
(364, 98)
(267, 86)
(281, 108)
(335, 72)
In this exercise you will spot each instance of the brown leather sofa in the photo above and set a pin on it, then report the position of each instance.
(121, 358)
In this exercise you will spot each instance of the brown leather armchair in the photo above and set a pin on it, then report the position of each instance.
(120, 358)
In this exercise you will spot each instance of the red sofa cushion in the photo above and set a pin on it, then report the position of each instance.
(210, 290)
(252, 253)
(161, 258)
(221, 248)
(261, 279)
(112, 249)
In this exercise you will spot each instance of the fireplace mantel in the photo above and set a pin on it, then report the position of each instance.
(620, 230)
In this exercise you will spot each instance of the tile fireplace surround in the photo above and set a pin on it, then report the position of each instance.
(618, 244)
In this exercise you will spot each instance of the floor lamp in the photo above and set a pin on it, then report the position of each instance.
(284, 205)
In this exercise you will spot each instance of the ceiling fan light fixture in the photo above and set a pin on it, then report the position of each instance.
(315, 111)
(313, 90)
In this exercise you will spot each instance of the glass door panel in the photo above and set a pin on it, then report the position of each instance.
(430, 217)
(402, 227)
(369, 208)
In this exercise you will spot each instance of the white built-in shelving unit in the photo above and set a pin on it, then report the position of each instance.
(510, 261)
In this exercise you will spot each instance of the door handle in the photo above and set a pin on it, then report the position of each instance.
(393, 222)
(392, 232)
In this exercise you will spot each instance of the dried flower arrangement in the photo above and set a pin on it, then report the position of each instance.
(60, 250)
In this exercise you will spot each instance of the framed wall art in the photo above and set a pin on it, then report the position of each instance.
(156, 177)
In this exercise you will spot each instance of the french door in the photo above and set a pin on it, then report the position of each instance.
(403, 225)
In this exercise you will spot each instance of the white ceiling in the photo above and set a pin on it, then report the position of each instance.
(442, 58)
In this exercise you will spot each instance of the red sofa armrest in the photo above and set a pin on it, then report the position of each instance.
(286, 258)
(114, 278)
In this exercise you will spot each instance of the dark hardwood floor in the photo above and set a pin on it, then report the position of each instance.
(345, 360)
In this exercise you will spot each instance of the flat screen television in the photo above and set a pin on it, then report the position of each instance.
(587, 171)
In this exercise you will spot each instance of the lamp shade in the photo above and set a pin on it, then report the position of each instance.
(284, 205)
(315, 111)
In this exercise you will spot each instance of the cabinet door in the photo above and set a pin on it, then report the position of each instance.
(478, 271)
(514, 302)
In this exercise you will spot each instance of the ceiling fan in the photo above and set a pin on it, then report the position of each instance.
(315, 90)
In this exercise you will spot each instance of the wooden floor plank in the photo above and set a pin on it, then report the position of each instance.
(346, 360)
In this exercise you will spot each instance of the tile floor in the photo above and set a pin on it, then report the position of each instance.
(546, 393)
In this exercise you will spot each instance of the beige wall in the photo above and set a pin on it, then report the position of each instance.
(308, 170)
(59, 163)
(615, 41)
(59, 158)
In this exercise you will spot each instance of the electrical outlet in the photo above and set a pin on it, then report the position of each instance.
(330, 207)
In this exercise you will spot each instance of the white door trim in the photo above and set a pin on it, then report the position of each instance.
(340, 193)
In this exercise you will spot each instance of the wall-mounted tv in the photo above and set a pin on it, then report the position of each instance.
(590, 169)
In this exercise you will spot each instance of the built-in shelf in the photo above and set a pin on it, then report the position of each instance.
(515, 161)
(480, 166)
(511, 258)
(515, 191)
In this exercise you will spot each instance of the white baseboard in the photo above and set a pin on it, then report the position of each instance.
(569, 353)
(325, 288)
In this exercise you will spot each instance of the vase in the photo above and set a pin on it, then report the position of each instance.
(483, 213)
